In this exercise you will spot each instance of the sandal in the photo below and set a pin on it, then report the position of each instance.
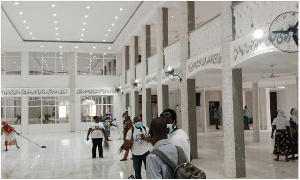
(276, 159)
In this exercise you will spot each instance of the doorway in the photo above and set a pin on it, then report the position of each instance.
(212, 106)
(273, 105)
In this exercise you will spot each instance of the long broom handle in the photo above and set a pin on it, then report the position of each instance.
(29, 140)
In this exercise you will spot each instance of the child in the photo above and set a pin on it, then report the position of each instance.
(9, 133)
(98, 132)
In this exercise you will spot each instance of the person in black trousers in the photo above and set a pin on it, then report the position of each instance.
(97, 133)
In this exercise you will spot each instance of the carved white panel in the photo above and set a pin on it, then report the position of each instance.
(95, 91)
(206, 37)
(172, 54)
(139, 71)
(152, 64)
(251, 15)
(35, 92)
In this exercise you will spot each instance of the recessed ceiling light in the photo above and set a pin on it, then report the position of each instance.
(105, 35)
(54, 14)
(76, 47)
(88, 7)
(81, 39)
(19, 66)
(30, 33)
(56, 28)
(86, 16)
(60, 53)
(104, 54)
(116, 17)
(60, 47)
(27, 27)
(109, 47)
(20, 13)
(81, 34)
(121, 9)
(109, 30)
(94, 56)
(103, 39)
(112, 24)
(57, 38)
(42, 46)
(53, 5)
(55, 22)
(32, 37)
(24, 21)
(56, 34)
(155, 29)
(84, 23)
(172, 16)
(16, 3)
(94, 47)
(14, 62)
(83, 29)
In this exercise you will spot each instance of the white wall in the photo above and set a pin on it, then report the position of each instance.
(174, 103)
(287, 99)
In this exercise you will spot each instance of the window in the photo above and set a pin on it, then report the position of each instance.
(10, 63)
(95, 105)
(96, 64)
(48, 110)
(11, 110)
(48, 63)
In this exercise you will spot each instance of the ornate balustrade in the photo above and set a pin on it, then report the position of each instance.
(205, 37)
(172, 54)
(252, 15)
(139, 71)
(152, 64)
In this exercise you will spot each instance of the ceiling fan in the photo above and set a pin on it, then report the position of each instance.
(272, 75)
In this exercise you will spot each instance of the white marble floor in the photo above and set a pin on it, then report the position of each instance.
(68, 156)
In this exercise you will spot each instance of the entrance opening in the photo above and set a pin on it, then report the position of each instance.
(212, 106)
(273, 105)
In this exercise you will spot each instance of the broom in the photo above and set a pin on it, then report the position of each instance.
(106, 145)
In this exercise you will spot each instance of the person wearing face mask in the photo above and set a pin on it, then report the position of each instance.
(176, 136)
(138, 137)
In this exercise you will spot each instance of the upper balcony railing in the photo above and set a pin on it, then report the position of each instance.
(252, 15)
(139, 71)
(206, 37)
(172, 54)
(152, 64)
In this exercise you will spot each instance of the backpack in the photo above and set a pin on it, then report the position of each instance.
(183, 170)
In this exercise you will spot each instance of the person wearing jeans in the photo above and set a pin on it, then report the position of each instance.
(138, 136)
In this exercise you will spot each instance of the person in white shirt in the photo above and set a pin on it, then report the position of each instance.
(98, 132)
(138, 137)
(176, 136)
(282, 136)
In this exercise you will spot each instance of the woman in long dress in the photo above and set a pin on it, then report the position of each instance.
(282, 136)
(294, 132)
(9, 133)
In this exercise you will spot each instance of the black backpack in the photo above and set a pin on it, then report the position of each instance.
(183, 170)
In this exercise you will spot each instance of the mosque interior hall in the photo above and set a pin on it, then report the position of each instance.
(228, 69)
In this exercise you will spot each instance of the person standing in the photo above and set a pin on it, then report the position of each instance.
(138, 136)
(294, 132)
(108, 122)
(156, 168)
(98, 132)
(9, 133)
(282, 136)
(217, 116)
(127, 126)
(246, 114)
(175, 135)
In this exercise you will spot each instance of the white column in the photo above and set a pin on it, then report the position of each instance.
(203, 111)
(255, 115)
(268, 111)
(72, 112)
(24, 115)
(234, 147)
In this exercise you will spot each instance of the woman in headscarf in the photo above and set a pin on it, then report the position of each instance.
(9, 133)
(282, 136)
(294, 132)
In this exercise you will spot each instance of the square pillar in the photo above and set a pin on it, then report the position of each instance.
(148, 105)
(72, 115)
(192, 117)
(255, 116)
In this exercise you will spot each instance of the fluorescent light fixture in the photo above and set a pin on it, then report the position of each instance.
(54, 14)
(86, 16)
(112, 24)
(81, 34)
(42, 46)
(53, 5)
(109, 47)
(57, 38)
(105, 35)
(24, 21)
(103, 40)
(20, 13)
(60, 47)
(121, 9)
(30, 33)
(56, 28)
(16, 3)
(109, 30)
(55, 22)
(258, 34)
(88, 7)
(94, 47)
(84, 23)
(83, 29)
(281, 87)
(116, 17)
(27, 27)
(76, 47)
